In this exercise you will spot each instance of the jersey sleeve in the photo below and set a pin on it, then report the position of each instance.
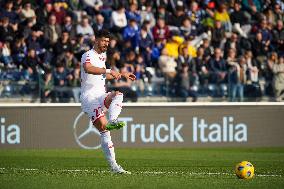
(87, 59)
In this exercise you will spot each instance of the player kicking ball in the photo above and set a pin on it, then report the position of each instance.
(94, 98)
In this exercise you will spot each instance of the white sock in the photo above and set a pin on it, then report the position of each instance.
(108, 147)
(115, 107)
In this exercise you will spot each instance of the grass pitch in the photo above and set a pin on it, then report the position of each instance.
(151, 168)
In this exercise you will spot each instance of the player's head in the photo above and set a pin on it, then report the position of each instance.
(102, 40)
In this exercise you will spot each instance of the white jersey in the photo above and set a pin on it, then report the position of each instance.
(92, 85)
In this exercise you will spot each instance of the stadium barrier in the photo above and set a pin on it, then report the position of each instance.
(149, 125)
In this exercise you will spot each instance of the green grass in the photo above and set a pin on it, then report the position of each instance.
(151, 168)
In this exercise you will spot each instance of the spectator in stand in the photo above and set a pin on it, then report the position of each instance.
(85, 28)
(161, 30)
(145, 45)
(167, 65)
(147, 25)
(156, 52)
(218, 35)
(69, 27)
(114, 60)
(99, 23)
(222, 15)
(237, 80)
(232, 59)
(43, 14)
(118, 18)
(189, 43)
(133, 13)
(148, 15)
(196, 15)
(253, 67)
(61, 79)
(187, 29)
(28, 12)
(59, 13)
(131, 32)
(266, 33)
(256, 16)
(140, 73)
(184, 84)
(9, 12)
(52, 31)
(278, 13)
(218, 67)
(278, 78)
(33, 42)
(27, 27)
(185, 58)
(268, 72)
(173, 45)
(80, 46)
(68, 60)
(177, 18)
(278, 37)
(233, 42)
(240, 20)
(46, 87)
(262, 50)
(31, 65)
(208, 50)
(130, 61)
(5, 54)
(163, 14)
(202, 67)
(19, 51)
(75, 82)
(63, 44)
(7, 32)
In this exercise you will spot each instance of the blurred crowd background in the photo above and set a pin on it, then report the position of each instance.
(179, 50)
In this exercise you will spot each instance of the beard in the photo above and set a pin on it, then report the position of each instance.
(103, 49)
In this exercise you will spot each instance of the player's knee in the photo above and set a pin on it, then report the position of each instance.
(118, 96)
(100, 124)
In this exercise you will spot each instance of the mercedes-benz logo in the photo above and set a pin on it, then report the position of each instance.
(79, 135)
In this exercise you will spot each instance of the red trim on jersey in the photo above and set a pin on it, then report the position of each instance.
(100, 116)
(87, 61)
(105, 101)
(104, 131)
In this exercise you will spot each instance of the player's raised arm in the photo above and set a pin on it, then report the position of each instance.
(111, 74)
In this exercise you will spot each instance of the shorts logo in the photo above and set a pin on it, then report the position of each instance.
(80, 135)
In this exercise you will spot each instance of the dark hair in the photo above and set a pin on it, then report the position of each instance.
(103, 33)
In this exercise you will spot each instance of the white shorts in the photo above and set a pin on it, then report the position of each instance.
(95, 107)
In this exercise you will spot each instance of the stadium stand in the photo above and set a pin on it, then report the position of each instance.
(201, 50)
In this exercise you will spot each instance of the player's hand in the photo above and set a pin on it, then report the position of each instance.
(115, 74)
(130, 76)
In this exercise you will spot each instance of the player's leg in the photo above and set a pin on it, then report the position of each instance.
(107, 145)
(114, 104)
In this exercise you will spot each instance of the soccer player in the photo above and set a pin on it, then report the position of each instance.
(94, 98)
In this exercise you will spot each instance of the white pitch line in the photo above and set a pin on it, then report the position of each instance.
(141, 172)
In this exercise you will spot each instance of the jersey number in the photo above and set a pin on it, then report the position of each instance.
(98, 112)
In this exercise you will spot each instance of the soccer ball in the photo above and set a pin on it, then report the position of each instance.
(244, 170)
